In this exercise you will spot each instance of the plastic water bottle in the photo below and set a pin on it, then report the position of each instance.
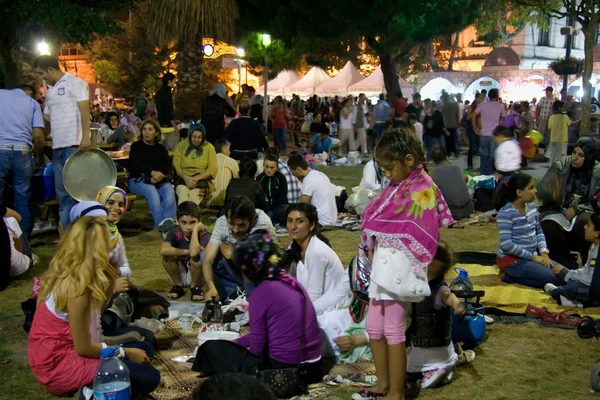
(462, 282)
(112, 378)
(105, 134)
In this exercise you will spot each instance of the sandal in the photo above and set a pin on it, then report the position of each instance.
(177, 291)
(197, 292)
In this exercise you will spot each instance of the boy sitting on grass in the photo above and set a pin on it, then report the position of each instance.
(183, 269)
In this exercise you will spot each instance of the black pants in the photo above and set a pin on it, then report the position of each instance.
(561, 242)
(474, 140)
(222, 356)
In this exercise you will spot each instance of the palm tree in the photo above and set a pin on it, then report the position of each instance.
(183, 24)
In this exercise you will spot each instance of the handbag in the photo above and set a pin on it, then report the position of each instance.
(285, 382)
(394, 272)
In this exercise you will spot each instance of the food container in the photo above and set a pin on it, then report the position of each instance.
(216, 335)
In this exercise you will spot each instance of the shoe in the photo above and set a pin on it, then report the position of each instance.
(549, 287)
(560, 320)
(535, 312)
(434, 377)
(166, 225)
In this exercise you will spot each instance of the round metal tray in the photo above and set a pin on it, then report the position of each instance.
(85, 173)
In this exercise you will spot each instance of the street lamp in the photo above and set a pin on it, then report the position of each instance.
(43, 48)
(208, 50)
(241, 53)
(266, 41)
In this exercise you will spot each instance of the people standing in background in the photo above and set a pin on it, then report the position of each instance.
(492, 114)
(471, 121)
(214, 110)
(141, 102)
(451, 113)
(382, 114)
(543, 112)
(166, 112)
(416, 107)
(68, 107)
(434, 129)
(280, 117)
(461, 106)
(361, 123)
(415, 126)
(399, 103)
(558, 126)
(21, 124)
(246, 136)
(346, 129)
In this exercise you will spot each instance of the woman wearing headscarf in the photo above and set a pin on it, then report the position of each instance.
(116, 132)
(195, 163)
(567, 191)
(214, 109)
(115, 201)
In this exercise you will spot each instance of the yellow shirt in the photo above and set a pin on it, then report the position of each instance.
(227, 169)
(191, 166)
(559, 128)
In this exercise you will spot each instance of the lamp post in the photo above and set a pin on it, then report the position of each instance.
(241, 53)
(569, 31)
(266, 41)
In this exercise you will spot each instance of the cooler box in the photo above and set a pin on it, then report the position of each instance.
(43, 184)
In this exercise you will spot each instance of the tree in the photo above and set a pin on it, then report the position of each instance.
(26, 21)
(182, 24)
(106, 72)
(390, 27)
(501, 20)
(587, 13)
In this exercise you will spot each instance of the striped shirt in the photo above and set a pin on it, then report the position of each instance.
(521, 235)
(293, 184)
(61, 107)
(227, 169)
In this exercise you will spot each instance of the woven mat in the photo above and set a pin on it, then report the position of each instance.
(510, 297)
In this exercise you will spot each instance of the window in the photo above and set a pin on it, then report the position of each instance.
(544, 35)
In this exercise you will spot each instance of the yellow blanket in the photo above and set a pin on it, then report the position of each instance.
(510, 297)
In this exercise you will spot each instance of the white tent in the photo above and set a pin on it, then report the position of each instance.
(338, 85)
(373, 86)
(306, 86)
(275, 86)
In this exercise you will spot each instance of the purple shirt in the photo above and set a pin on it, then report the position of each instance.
(491, 112)
(276, 312)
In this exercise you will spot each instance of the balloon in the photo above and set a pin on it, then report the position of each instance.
(535, 136)
(529, 150)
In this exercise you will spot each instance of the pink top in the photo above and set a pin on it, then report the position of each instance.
(491, 112)
(280, 118)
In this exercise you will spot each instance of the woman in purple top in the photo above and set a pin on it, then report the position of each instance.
(277, 307)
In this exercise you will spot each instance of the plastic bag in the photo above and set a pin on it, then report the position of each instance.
(152, 325)
(481, 182)
(358, 200)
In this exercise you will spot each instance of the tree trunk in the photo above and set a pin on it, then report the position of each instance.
(435, 67)
(454, 50)
(11, 70)
(188, 97)
(390, 76)
(588, 31)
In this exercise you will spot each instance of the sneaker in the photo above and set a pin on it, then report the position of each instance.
(434, 377)
(549, 287)
(166, 225)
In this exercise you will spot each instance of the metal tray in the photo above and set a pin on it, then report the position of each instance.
(85, 173)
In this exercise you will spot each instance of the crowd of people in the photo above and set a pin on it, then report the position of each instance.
(304, 304)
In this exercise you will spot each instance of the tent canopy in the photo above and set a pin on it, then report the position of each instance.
(306, 86)
(338, 85)
(275, 86)
(373, 85)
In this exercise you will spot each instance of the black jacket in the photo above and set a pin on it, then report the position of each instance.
(214, 110)
(246, 134)
(164, 106)
(275, 189)
(143, 159)
(246, 187)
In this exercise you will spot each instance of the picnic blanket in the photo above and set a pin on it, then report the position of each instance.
(512, 298)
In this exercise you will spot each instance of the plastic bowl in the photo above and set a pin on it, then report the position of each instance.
(216, 335)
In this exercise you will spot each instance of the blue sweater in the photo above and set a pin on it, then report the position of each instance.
(521, 235)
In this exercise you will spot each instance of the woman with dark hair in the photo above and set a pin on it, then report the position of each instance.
(245, 185)
(283, 324)
(149, 170)
(567, 190)
(116, 132)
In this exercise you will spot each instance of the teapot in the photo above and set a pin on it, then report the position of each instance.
(212, 312)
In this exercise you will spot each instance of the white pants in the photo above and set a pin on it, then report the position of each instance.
(346, 138)
(361, 140)
(555, 150)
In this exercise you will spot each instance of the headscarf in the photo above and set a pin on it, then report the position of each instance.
(260, 257)
(87, 209)
(220, 90)
(580, 179)
(198, 149)
(107, 118)
(406, 216)
(102, 198)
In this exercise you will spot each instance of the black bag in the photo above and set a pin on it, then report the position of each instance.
(286, 382)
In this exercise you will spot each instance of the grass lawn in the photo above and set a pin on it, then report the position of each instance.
(516, 361)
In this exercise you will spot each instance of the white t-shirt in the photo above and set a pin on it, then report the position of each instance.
(318, 186)
(61, 108)
(508, 156)
(19, 262)
(369, 178)
(346, 123)
(419, 130)
(323, 276)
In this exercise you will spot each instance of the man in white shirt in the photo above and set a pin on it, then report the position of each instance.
(316, 190)
(68, 108)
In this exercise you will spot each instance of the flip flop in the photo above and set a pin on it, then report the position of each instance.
(197, 291)
(177, 291)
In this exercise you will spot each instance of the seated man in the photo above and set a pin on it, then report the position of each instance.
(321, 141)
(294, 186)
(222, 276)
(449, 178)
(16, 259)
(274, 186)
(227, 169)
(316, 190)
(373, 177)
(183, 269)
(246, 136)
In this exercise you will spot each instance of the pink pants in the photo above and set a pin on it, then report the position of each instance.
(386, 318)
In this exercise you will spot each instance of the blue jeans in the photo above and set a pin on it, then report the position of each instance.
(432, 142)
(529, 273)
(227, 276)
(65, 201)
(21, 166)
(486, 151)
(280, 135)
(378, 131)
(474, 143)
(572, 290)
(160, 199)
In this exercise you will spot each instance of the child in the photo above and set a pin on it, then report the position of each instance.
(409, 211)
(558, 124)
(416, 127)
(274, 186)
(128, 137)
(65, 341)
(303, 149)
(575, 284)
(430, 352)
(15, 246)
(522, 254)
(508, 154)
(175, 251)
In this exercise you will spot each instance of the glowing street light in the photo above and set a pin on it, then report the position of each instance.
(43, 48)
(266, 39)
(208, 50)
(240, 52)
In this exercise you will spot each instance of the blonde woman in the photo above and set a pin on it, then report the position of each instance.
(65, 341)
